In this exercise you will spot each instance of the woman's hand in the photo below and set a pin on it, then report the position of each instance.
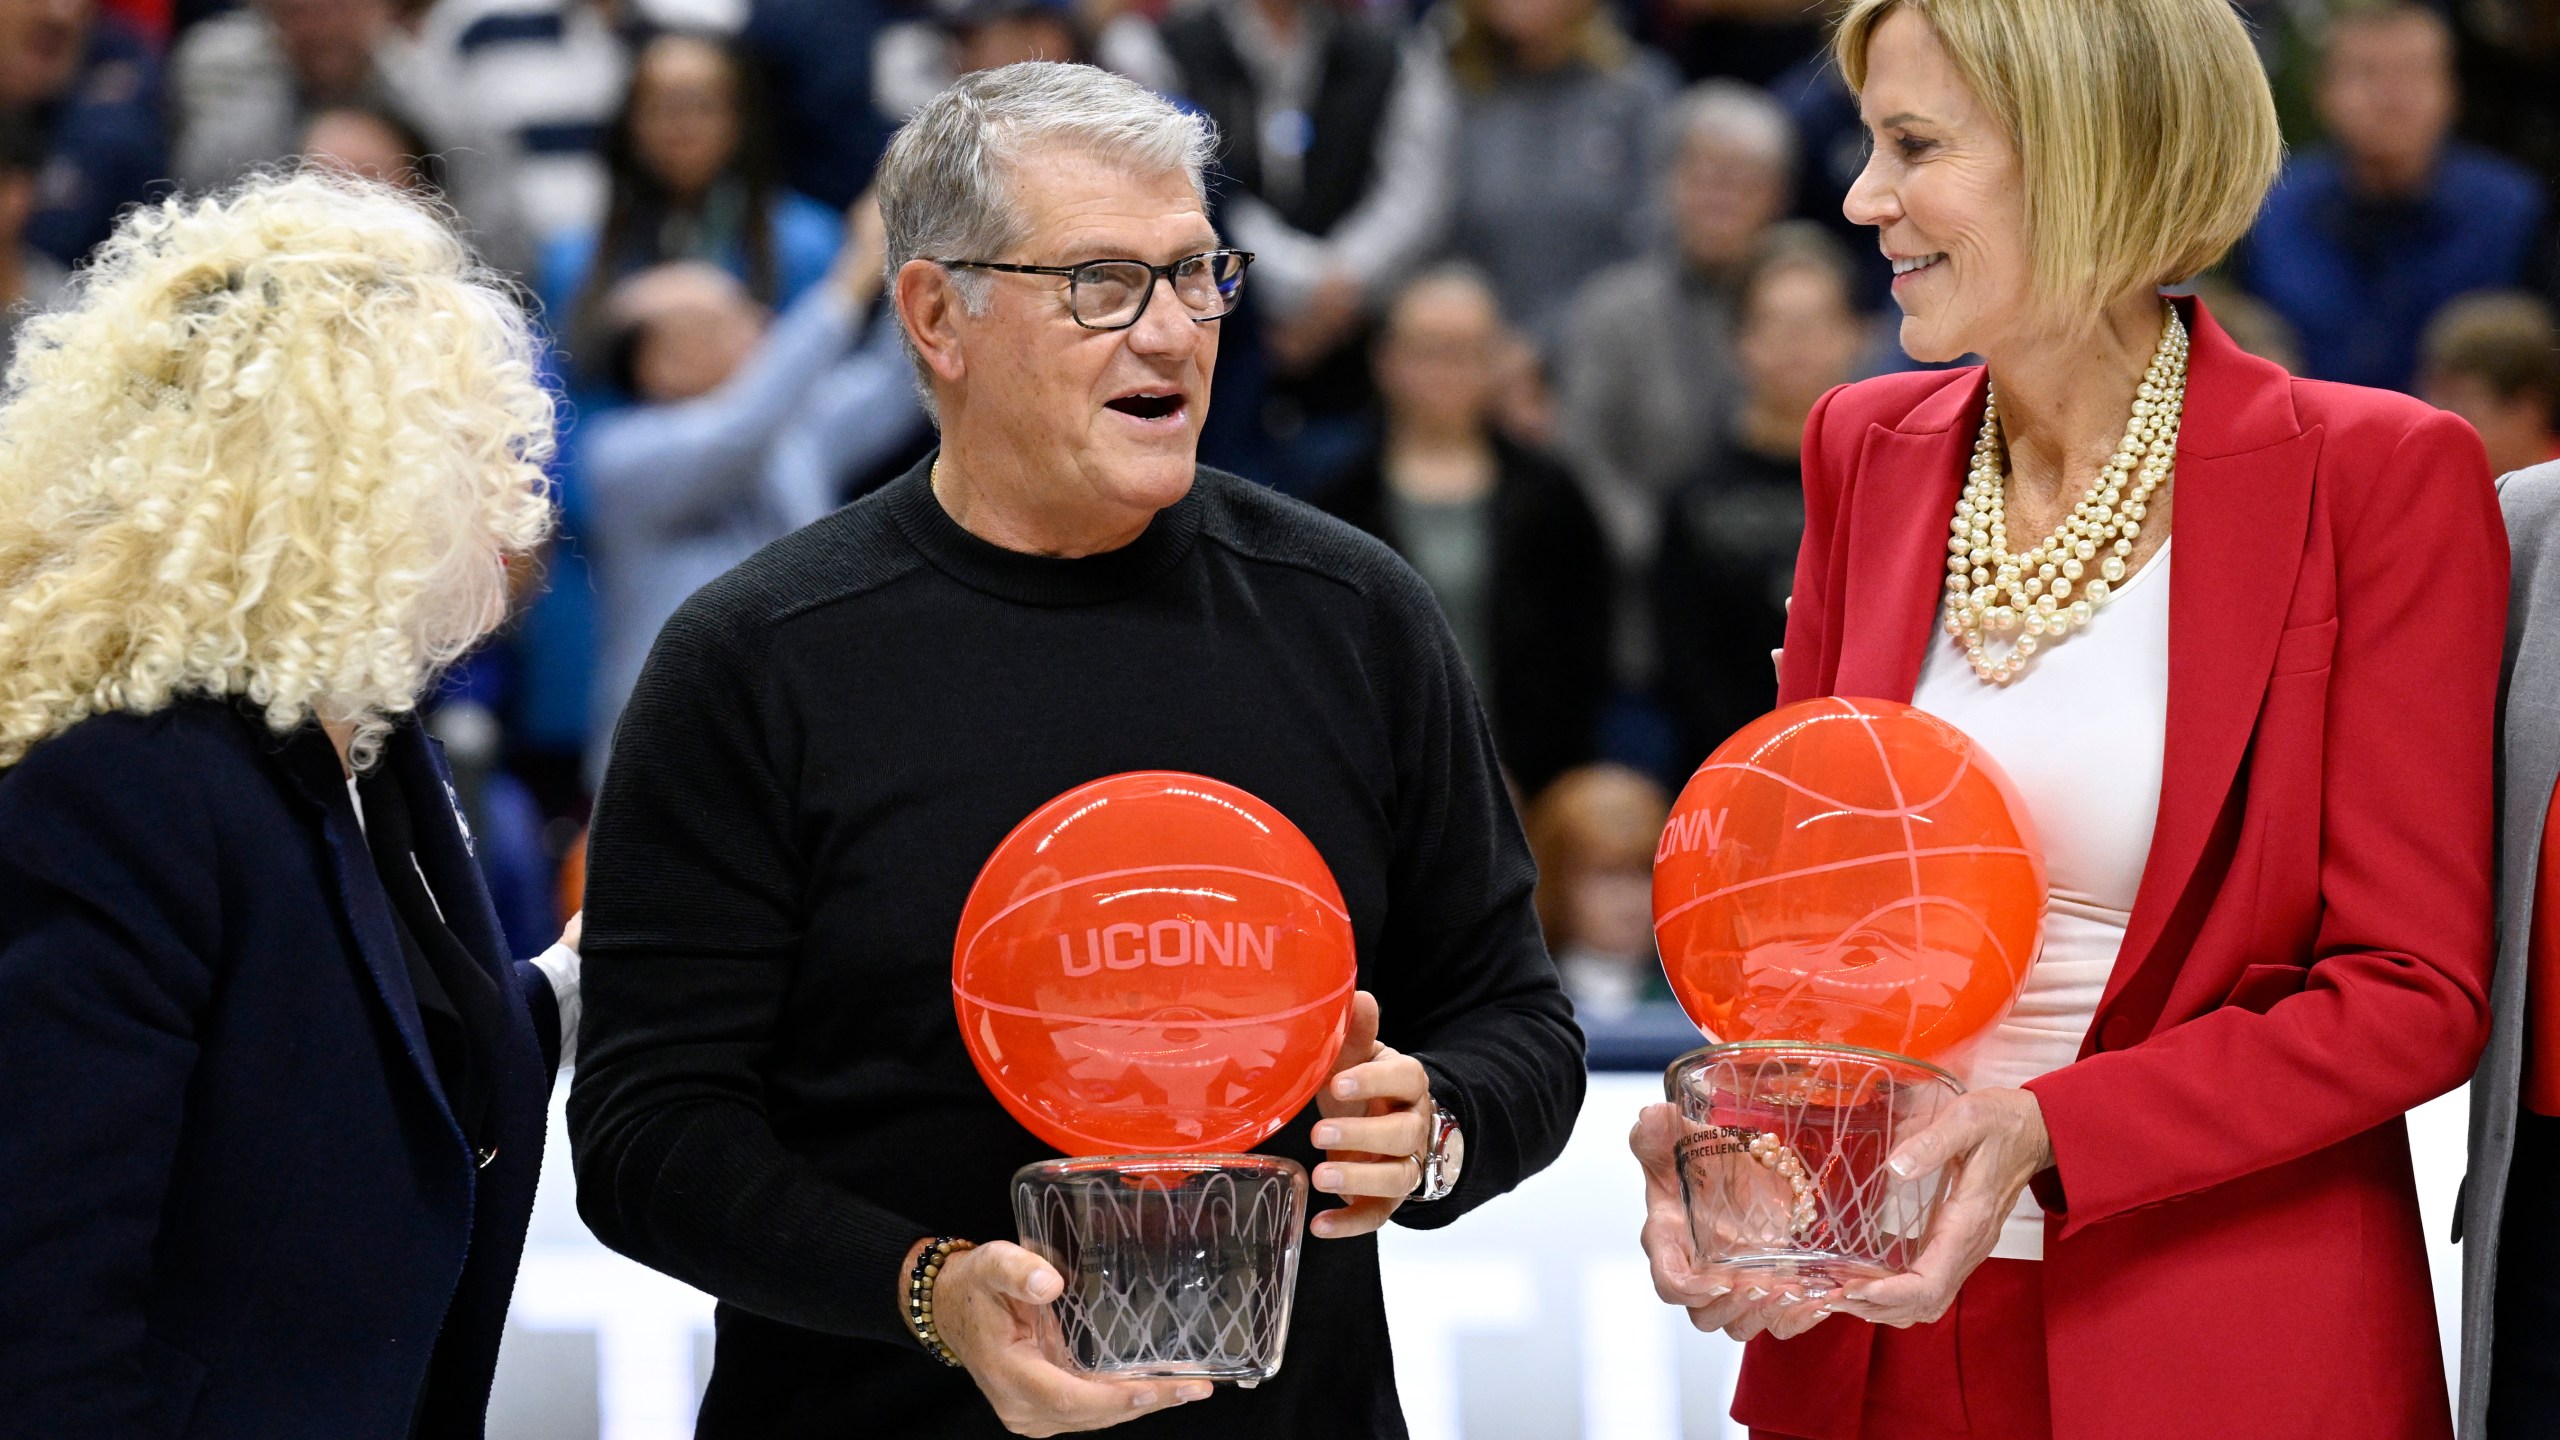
(576, 930)
(1716, 1298)
(1996, 1141)
(1377, 1122)
(988, 1305)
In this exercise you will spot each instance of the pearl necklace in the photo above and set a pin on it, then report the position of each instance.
(2041, 596)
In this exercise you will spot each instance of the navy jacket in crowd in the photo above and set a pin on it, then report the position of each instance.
(2360, 277)
(234, 1203)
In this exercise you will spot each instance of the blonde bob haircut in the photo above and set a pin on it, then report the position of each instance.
(276, 448)
(2145, 130)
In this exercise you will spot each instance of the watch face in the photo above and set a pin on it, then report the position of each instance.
(1448, 1153)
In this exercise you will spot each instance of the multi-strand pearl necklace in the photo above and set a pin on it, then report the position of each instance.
(2040, 597)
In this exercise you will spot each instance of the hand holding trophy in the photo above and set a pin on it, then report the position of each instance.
(1848, 890)
(1153, 972)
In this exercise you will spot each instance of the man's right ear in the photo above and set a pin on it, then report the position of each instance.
(929, 306)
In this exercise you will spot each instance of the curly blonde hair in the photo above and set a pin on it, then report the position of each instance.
(276, 448)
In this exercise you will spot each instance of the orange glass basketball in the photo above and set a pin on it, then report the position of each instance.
(1154, 962)
(1849, 871)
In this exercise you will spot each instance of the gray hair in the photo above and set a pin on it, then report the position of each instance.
(945, 191)
(1739, 115)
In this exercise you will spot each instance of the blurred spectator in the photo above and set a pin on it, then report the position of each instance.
(2361, 244)
(1501, 534)
(1334, 144)
(818, 57)
(91, 90)
(1754, 41)
(915, 59)
(2494, 360)
(1558, 126)
(1593, 834)
(1831, 149)
(544, 78)
(374, 143)
(1525, 411)
(1730, 533)
(30, 279)
(2252, 323)
(1648, 361)
(695, 176)
(2510, 54)
(245, 86)
(740, 435)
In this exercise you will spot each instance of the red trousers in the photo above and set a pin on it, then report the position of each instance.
(1977, 1374)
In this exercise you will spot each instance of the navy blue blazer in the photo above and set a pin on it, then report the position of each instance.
(233, 1200)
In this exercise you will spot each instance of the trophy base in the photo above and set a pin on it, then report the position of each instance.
(1782, 1160)
(1176, 1266)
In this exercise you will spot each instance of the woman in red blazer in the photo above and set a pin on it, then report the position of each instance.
(2229, 1241)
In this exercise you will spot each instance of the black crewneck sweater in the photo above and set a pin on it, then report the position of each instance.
(772, 1098)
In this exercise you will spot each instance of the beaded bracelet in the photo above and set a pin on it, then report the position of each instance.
(929, 1263)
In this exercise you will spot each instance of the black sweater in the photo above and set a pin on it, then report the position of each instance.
(772, 1098)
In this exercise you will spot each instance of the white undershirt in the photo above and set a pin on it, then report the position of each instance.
(2080, 735)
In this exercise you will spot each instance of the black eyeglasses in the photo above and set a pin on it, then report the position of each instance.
(1113, 294)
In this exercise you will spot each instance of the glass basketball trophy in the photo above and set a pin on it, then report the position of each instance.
(1153, 972)
(1847, 890)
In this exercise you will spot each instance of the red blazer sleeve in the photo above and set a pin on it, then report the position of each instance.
(2394, 1011)
(1807, 663)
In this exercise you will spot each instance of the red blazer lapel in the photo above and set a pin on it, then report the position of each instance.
(1908, 479)
(2242, 508)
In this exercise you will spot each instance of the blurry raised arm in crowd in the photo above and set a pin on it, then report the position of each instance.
(2364, 239)
(741, 435)
(1500, 532)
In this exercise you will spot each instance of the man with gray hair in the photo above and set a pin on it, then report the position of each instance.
(774, 1101)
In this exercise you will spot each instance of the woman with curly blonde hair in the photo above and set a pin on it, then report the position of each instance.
(272, 1100)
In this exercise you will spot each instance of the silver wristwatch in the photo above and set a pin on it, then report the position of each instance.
(1442, 1158)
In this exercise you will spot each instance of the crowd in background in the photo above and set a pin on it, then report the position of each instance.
(1543, 293)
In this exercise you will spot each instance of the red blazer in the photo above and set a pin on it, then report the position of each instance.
(2233, 1245)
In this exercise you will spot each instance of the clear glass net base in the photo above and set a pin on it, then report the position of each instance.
(1175, 1265)
(1782, 1159)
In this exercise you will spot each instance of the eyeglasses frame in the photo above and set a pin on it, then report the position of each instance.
(1155, 274)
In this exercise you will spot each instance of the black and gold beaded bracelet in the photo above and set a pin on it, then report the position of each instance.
(929, 1263)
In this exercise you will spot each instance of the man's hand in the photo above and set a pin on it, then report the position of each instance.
(1996, 1141)
(989, 1304)
(1716, 1298)
(1377, 1122)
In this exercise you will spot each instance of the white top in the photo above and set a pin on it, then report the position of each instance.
(2080, 734)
